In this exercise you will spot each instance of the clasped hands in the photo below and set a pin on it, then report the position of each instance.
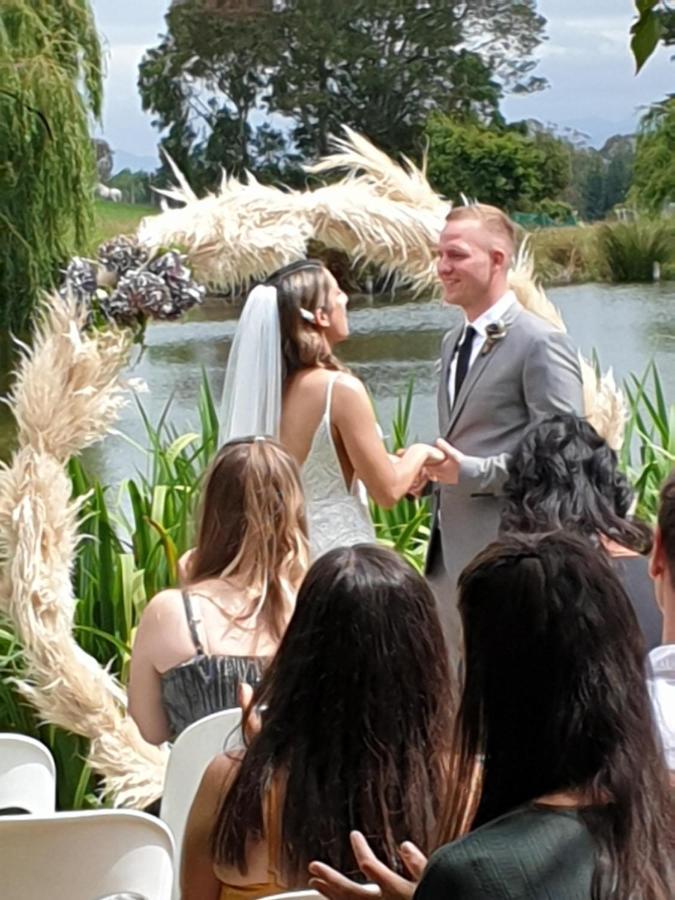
(442, 466)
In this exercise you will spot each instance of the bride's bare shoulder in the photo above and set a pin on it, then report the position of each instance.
(316, 380)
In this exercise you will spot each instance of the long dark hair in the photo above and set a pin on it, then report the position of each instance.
(252, 526)
(303, 285)
(563, 475)
(358, 720)
(555, 699)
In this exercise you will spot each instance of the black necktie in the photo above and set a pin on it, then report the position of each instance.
(463, 357)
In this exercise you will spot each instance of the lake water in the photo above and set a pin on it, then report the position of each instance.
(393, 340)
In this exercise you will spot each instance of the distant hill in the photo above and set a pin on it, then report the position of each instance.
(124, 160)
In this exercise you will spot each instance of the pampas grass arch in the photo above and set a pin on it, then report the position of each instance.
(68, 393)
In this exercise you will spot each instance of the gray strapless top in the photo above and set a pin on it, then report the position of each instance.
(205, 684)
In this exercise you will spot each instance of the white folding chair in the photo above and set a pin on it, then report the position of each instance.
(86, 856)
(27, 775)
(315, 895)
(190, 755)
(297, 895)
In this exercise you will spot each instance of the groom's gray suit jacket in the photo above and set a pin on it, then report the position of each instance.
(531, 373)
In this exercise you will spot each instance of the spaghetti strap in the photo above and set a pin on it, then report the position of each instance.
(329, 395)
(192, 625)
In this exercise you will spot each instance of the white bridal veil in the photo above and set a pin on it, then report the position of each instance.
(251, 403)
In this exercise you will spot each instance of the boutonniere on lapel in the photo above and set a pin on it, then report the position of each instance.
(494, 333)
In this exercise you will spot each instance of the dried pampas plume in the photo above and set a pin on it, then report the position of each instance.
(378, 213)
(66, 396)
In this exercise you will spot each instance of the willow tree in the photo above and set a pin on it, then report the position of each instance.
(50, 90)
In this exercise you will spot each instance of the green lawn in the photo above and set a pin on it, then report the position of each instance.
(117, 218)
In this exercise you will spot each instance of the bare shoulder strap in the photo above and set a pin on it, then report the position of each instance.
(192, 625)
(329, 394)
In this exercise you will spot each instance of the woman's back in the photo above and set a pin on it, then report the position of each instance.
(223, 656)
(535, 852)
(200, 650)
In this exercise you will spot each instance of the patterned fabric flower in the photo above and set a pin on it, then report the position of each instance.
(129, 286)
(79, 280)
(184, 290)
(122, 253)
(138, 294)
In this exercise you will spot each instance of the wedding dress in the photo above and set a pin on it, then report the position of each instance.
(336, 515)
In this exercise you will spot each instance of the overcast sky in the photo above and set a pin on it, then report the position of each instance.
(586, 60)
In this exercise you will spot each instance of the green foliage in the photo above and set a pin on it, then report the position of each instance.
(136, 187)
(404, 527)
(50, 83)
(203, 82)
(654, 179)
(75, 783)
(113, 219)
(630, 249)
(600, 178)
(380, 67)
(506, 168)
(648, 454)
(566, 255)
(647, 29)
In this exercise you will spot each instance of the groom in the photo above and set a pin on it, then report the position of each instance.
(502, 368)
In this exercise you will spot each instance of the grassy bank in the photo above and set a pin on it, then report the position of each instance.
(604, 251)
(117, 218)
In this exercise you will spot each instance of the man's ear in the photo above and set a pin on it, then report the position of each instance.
(658, 563)
(499, 258)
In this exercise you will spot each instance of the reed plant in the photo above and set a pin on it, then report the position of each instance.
(566, 255)
(630, 250)
(648, 452)
(406, 526)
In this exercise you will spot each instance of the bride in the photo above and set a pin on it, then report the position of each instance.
(283, 380)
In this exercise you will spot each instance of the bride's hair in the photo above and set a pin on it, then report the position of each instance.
(303, 285)
(252, 526)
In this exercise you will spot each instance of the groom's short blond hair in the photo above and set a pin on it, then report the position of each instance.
(494, 219)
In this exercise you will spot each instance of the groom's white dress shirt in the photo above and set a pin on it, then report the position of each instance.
(489, 317)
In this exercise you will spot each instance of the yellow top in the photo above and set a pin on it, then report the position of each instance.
(273, 838)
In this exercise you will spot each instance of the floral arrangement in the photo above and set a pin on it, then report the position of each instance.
(129, 283)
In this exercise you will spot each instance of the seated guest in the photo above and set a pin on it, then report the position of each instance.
(195, 646)
(557, 770)
(662, 659)
(355, 734)
(563, 475)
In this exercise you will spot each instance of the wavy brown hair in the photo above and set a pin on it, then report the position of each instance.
(357, 725)
(252, 526)
(563, 475)
(303, 285)
(555, 700)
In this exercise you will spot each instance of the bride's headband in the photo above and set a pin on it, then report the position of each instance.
(291, 269)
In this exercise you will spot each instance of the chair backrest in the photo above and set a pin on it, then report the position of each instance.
(190, 755)
(85, 856)
(27, 775)
(297, 895)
